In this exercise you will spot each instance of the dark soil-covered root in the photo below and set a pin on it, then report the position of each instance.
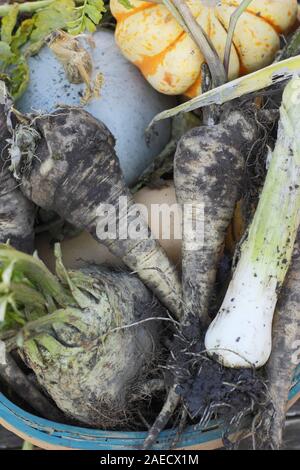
(210, 170)
(163, 418)
(283, 360)
(74, 170)
(16, 212)
(237, 398)
(16, 227)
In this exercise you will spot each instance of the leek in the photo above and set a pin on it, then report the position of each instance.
(240, 335)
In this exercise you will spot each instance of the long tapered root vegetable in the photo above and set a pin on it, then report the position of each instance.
(209, 173)
(240, 335)
(209, 170)
(283, 360)
(90, 336)
(16, 212)
(75, 170)
(161, 421)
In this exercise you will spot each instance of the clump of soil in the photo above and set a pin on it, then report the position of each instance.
(209, 391)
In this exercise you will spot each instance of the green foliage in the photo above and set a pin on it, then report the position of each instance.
(10, 315)
(126, 4)
(5, 53)
(28, 290)
(10, 60)
(9, 23)
(19, 76)
(20, 39)
(55, 16)
(22, 34)
(88, 16)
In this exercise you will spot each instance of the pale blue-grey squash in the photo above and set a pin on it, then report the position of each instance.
(126, 105)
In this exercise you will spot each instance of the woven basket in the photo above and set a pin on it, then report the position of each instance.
(49, 435)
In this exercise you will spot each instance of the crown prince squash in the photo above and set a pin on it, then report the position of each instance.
(151, 38)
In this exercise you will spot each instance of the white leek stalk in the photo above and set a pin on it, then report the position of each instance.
(240, 335)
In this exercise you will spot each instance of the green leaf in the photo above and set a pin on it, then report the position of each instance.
(56, 16)
(254, 82)
(89, 25)
(22, 34)
(93, 13)
(126, 4)
(82, 300)
(76, 29)
(5, 52)
(32, 32)
(19, 77)
(88, 17)
(3, 307)
(9, 23)
(7, 273)
(99, 4)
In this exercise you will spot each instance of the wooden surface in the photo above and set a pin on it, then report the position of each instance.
(9, 440)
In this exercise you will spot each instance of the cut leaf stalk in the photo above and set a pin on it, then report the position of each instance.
(264, 78)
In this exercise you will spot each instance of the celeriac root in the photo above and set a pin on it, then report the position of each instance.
(92, 337)
(21, 385)
(94, 365)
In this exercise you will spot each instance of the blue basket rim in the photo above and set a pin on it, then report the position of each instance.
(69, 436)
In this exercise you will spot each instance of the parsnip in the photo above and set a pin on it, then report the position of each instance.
(283, 360)
(16, 212)
(209, 170)
(73, 171)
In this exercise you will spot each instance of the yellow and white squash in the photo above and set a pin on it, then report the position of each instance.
(150, 37)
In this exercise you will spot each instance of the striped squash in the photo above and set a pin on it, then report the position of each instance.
(150, 37)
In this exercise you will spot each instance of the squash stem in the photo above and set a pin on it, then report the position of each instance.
(230, 33)
(182, 13)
